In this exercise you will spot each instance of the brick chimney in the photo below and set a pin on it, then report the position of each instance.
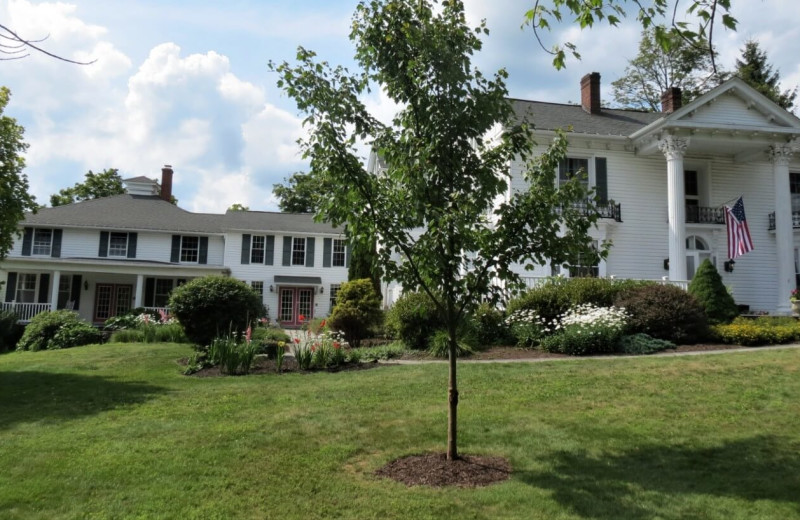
(671, 100)
(590, 93)
(166, 183)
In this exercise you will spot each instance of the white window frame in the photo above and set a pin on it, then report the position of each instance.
(332, 292)
(589, 169)
(296, 241)
(38, 245)
(64, 291)
(159, 293)
(186, 250)
(262, 249)
(258, 287)
(24, 285)
(116, 251)
(339, 247)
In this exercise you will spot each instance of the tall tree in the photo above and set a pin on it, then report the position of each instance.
(447, 153)
(15, 199)
(759, 74)
(96, 185)
(299, 194)
(656, 69)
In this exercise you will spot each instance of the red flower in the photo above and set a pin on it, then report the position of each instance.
(301, 318)
(322, 325)
(248, 335)
(297, 340)
(313, 348)
(336, 344)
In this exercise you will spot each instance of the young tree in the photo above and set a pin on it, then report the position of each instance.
(97, 185)
(448, 152)
(298, 195)
(754, 69)
(654, 70)
(14, 197)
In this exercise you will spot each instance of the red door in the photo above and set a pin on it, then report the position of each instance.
(295, 302)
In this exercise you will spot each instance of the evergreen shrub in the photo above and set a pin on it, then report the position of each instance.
(357, 312)
(710, 292)
(413, 319)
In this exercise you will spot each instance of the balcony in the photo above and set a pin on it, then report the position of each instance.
(704, 215)
(795, 220)
(606, 210)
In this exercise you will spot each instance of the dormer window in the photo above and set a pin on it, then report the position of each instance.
(118, 244)
(190, 249)
(42, 242)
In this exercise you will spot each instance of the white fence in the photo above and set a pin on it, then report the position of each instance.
(25, 311)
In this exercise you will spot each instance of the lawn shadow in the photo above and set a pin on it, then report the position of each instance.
(45, 396)
(616, 486)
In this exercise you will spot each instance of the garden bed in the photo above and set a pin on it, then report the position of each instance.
(263, 365)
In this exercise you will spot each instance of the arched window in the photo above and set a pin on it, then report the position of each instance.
(697, 250)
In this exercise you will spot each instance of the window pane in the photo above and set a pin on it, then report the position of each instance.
(257, 250)
(298, 251)
(42, 238)
(333, 292)
(118, 244)
(163, 289)
(26, 288)
(338, 255)
(64, 291)
(189, 249)
(690, 183)
(571, 167)
(258, 287)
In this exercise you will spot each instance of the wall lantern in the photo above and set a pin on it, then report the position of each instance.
(321, 289)
(86, 285)
(271, 288)
(728, 266)
(666, 264)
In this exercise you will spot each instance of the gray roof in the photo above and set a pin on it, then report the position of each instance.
(141, 212)
(552, 116)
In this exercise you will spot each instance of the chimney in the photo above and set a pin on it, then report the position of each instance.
(590, 93)
(166, 183)
(671, 100)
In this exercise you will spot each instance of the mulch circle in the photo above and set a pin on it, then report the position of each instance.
(433, 469)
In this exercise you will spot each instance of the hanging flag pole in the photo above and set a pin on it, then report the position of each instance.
(739, 240)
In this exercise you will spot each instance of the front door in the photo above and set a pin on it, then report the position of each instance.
(294, 303)
(111, 300)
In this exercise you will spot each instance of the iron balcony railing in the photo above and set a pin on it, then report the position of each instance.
(604, 210)
(795, 220)
(704, 215)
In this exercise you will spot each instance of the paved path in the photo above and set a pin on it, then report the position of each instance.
(604, 358)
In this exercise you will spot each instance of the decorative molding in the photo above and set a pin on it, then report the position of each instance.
(673, 147)
(781, 154)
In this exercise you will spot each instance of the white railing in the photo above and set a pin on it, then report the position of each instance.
(531, 282)
(165, 310)
(25, 311)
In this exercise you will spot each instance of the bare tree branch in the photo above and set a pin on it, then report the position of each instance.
(22, 45)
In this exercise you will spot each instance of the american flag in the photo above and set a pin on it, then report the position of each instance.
(739, 241)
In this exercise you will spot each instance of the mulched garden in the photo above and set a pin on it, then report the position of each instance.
(433, 469)
(262, 365)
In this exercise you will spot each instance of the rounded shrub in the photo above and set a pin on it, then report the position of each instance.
(57, 329)
(214, 306)
(664, 312)
(10, 330)
(413, 319)
(710, 292)
(490, 326)
(357, 312)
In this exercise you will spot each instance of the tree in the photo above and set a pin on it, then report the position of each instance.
(364, 264)
(654, 70)
(754, 69)
(447, 153)
(703, 13)
(298, 195)
(238, 207)
(15, 47)
(710, 292)
(97, 185)
(15, 199)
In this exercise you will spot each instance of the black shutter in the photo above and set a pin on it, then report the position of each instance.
(245, 249)
(11, 287)
(269, 250)
(27, 238)
(44, 287)
(326, 252)
(149, 291)
(310, 251)
(75, 293)
(348, 254)
(102, 252)
(287, 250)
(55, 251)
(133, 238)
(562, 168)
(601, 179)
(175, 255)
(203, 257)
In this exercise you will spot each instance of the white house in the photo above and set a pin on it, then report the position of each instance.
(105, 256)
(666, 177)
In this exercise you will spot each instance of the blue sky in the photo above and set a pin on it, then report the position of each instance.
(186, 83)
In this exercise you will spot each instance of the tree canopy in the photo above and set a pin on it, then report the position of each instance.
(298, 195)
(655, 69)
(96, 185)
(15, 198)
(434, 208)
(238, 207)
(754, 68)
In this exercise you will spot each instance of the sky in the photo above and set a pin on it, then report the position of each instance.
(186, 83)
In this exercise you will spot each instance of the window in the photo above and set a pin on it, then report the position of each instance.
(794, 189)
(298, 251)
(258, 287)
(64, 291)
(570, 167)
(587, 265)
(163, 289)
(26, 288)
(334, 292)
(190, 249)
(696, 251)
(42, 241)
(257, 249)
(338, 255)
(117, 244)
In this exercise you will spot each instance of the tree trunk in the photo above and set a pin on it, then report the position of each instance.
(452, 392)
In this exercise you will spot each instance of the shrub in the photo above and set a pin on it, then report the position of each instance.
(10, 330)
(41, 332)
(357, 311)
(643, 344)
(440, 345)
(384, 352)
(127, 336)
(169, 333)
(526, 327)
(761, 331)
(587, 329)
(267, 340)
(710, 292)
(233, 355)
(211, 306)
(664, 312)
(413, 319)
(490, 326)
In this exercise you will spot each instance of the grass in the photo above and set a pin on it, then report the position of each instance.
(115, 431)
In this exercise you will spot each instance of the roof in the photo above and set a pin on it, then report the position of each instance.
(140, 178)
(609, 122)
(140, 212)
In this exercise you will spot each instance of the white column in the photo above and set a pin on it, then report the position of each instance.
(673, 149)
(780, 155)
(137, 299)
(54, 290)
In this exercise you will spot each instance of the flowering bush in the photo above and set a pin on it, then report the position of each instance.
(588, 329)
(323, 350)
(795, 295)
(528, 328)
(761, 331)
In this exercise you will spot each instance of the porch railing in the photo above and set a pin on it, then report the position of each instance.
(157, 309)
(704, 215)
(795, 220)
(25, 311)
(606, 210)
(531, 282)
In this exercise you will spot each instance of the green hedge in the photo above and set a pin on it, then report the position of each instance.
(57, 329)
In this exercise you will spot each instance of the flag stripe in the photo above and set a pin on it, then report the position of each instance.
(739, 240)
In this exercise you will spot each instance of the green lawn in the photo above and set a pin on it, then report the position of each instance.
(116, 431)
